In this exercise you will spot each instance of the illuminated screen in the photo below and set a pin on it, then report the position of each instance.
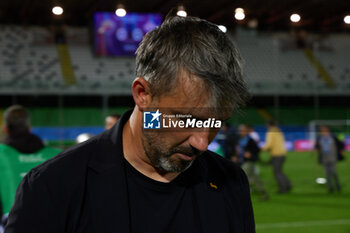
(120, 36)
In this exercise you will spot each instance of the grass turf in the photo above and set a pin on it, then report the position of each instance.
(308, 208)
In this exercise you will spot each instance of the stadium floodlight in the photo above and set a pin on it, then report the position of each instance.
(120, 11)
(239, 10)
(295, 18)
(239, 14)
(57, 10)
(181, 11)
(253, 23)
(347, 19)
(222, 28)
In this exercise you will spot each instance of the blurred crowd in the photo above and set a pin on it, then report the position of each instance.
(241, 145)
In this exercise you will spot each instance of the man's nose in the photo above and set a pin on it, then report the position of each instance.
(199, 140)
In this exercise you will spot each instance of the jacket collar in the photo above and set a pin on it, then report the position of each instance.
(110, 146)
(107, 187)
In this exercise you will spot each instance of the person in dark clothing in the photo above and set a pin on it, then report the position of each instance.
(227, 139)
(330, 150)
(247, 156)
(17, 130)
(139, 177)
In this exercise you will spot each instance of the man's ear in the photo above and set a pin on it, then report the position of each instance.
(141, 93)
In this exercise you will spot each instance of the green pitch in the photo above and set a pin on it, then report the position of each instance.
(309, 207)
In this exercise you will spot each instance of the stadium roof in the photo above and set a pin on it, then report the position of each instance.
(318, 15)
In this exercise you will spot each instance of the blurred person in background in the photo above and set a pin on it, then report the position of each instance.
(20, 151)
(17, 130)
(253, 134)
(275, 144)
(330, 150)
(140, 179)
(247, 156)
(110, 120)
(227, 138)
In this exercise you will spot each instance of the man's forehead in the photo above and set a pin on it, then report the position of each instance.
(191, 95)
(188, 91)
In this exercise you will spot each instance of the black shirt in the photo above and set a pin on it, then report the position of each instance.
(162, 207)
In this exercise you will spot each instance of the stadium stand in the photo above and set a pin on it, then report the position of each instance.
(336, 60)
(287, 69)
(29, 62)
(25, 65)
(97, 73)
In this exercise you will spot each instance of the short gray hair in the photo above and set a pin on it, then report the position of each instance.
(199, 48)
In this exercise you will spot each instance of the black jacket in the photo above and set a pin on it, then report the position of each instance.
(83, 190)
(253, 148)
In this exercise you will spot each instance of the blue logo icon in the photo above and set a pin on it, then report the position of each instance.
(151, 120)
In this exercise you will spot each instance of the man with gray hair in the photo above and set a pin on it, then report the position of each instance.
(152, 172)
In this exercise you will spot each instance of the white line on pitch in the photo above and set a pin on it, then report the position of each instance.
(303, 224)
